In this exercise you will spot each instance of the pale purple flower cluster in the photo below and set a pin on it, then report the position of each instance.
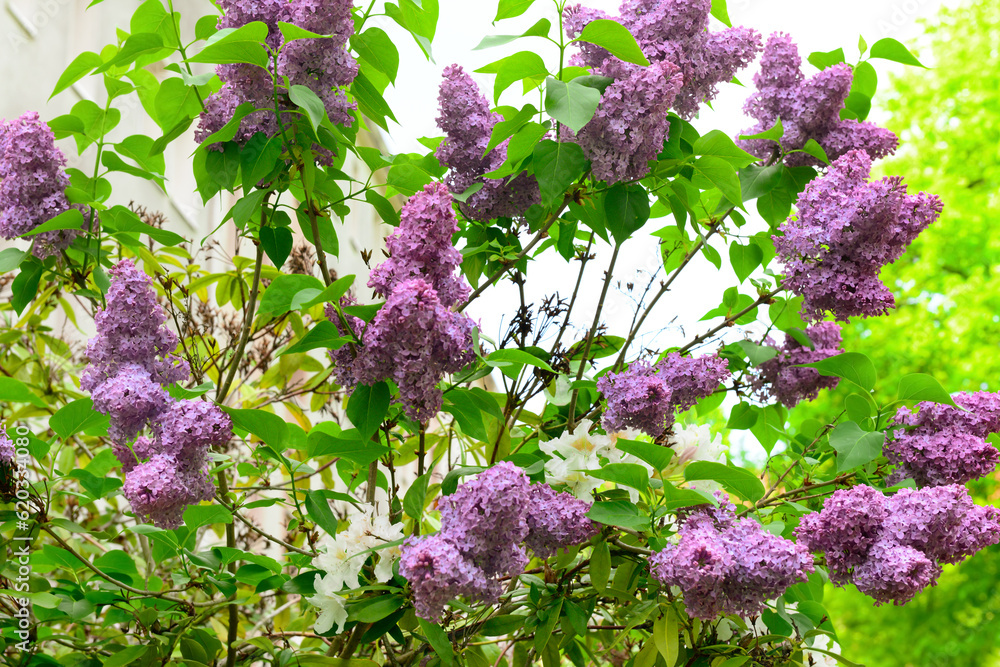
(131, 363)
(725, 565)
(941, 444)
(322, 65)
(846, 230)
(673, 31)
(466, 119)
(415, 338)
(343, 358)
(808, 109)
(631, 124)
(32, 183)
(6, 447)
(483, 525)
(645, 396)
(780, 377)
(893, 548)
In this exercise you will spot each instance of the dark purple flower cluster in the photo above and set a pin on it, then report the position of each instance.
(343, 358)
(846, 230)
(631, 124)
(32, 183)
(808, 109)
(415, 338)
(725, 565)
(131, 363)
(483, 525)
(893, 548)
(645, 396)
(941, 444)
(466, 119)
(674, 31)
(322, 65)
(780, 377)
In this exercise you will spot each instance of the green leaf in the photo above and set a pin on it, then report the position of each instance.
(776, 132)
(745, 258)
(614, 37)
(719, 144)
(742, 416)
(657, 456)
(75, 417)
(757, 354)
(197, 516)
(507, 128)
(824, 59)
(572, 104)
(851, 366)
(888, 48)
(135, 46)
(11, 258)
(627, 210)
(120, 219)
(267, 426)
(721, 12)
(617, 513)
(377, 48)
(540, 29)
(367, 407)
(436, 636)
(259, 157)
(324, 335)
(304, 98)
(813, 148)
(126, 656)
(416, 497)
(277, 243)
(624, 474)
(68, 219)
(24, 288)
(500, 626)
(372, 610)
(175, 102)
(318, 509)
(923, 387)
(557, 166)
(291, 32)
(508, 9)
(242, 45)
(514, 68)
(855, 446)
(82, 65)
(600, 566)
(370, 101)
(277, 298)
(737, 480)
(513, 360)
(720, 174)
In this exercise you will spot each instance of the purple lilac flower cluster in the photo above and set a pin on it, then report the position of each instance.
(846, 230)
(725, 565)
(415, 338)
(780, 377)
(483, 525)
(466, 119)
(6, 447)
(645, 396)
(131, 362)
(674, 31)
(32, 183)
(322, 65)
(941, 444)
(893, 548)
(808, 109)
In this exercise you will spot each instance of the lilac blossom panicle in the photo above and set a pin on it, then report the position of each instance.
(941, 444)
(421, 247)
(782, 378)
(846, 529)
(464, 116)
(483, 524)
(644, 396)
(895, 573)
(414, 340)
(132, 398)
(631, 124)
(846, 230)
(726, 565)
(672, 31)
(344, 360)
(808, 109)
(6, 447)
(556, 520)
(33, 182)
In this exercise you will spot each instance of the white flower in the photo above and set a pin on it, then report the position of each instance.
(331, 605)
(345, 555)
(573, 473)
(579, 441)
(341, 562)
(695, 443)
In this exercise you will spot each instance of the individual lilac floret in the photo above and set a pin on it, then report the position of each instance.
(674, 31)
(895, 573)
(847, 528)
(942, 522)
(438, 573)
(465, 118)
(631, 124)
(846, 230)
(485, 518)
(161, 489)
(556, 520)
(421, 247)
(808, 109)
(130, 331)
(344, 358)
(132, 399)
(943, 444)
(32, 183)
(782, 378)
(729, 567)
(414, 340)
